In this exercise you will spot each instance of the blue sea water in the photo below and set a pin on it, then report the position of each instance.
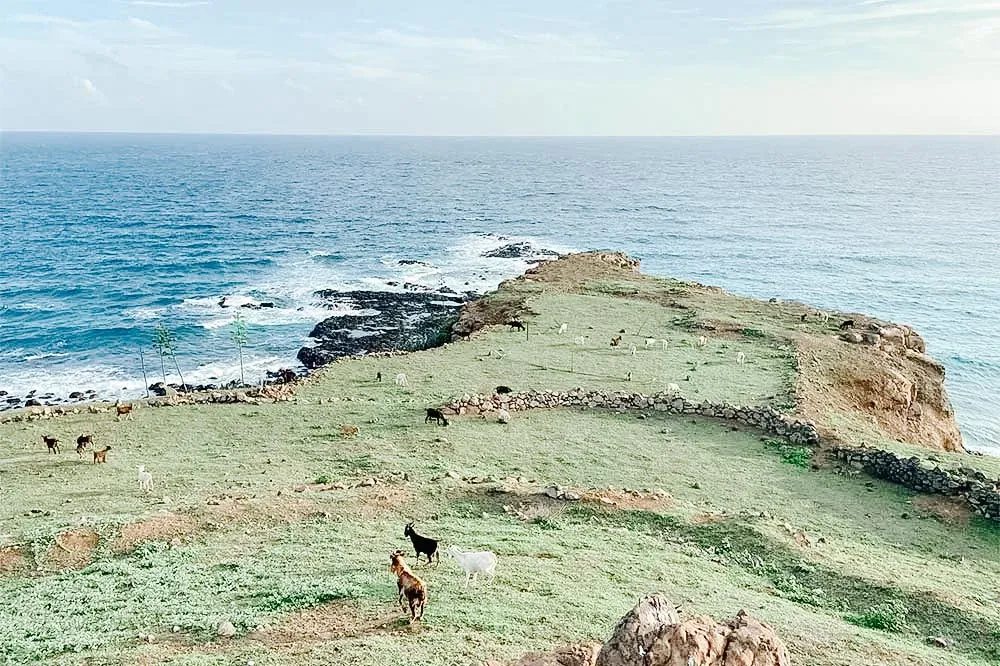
(104, 235)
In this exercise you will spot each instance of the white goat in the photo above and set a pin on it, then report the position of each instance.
(563, 328)
(580, 340)
(503, 416)
(664, 343)
(474, 563)
(651, 341)
(401, 379)
(631, 349)
(673, 388)
(702, 341)
(145, 479)
(741, 358)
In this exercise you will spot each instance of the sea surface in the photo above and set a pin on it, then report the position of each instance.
(102, 236)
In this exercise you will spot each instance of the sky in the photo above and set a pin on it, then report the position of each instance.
(518, 67)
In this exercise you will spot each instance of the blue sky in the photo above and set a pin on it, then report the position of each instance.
(561, 67)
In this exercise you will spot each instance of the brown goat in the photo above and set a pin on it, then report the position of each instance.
(408, 585)
(349, 431)
(51, 442)
(615, 341)
(102, 455)
(123, 411)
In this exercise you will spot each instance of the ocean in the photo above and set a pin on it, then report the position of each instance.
(102, 236)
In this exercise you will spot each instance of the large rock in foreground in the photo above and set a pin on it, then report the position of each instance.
(382, 321)
(652, 634)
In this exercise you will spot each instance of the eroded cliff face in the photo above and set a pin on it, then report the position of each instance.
(880, 370)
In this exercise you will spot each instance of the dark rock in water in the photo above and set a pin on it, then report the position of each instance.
(414, 262)
(282, 375)
(3, 393)
(31, 402)
(401, 321)
(413, 286)
(13, 400)
(258, 306)
(31, 393)
(161, 389)
(519, 251)
(76, 395)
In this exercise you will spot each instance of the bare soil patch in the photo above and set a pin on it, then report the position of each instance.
(157, 528)
(335, 620)
(13, 560)
(618, 499)
(73, 549)
(946, 509)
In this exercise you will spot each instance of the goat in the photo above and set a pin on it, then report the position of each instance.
(628, 376)
(631, 349)
(145, 479)
(51, 442)
(102, 455)
(349, 431)
(474, 563)
(378, 376)
(82, 442)
(123, 411)
(650, 342)
(409, 586)
(615, 341)
(702, 341)
(741, 358)
(422, 545)
(401, 379)
(664, 343)
(580, 340)
(803, 317)
(563, 328)
(502, 389)
(515, 325)
(825, 316)
(503, 416)
(673, 388)
(849, 323)
(437, 415)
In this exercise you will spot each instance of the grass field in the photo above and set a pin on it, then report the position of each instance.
(245, 522)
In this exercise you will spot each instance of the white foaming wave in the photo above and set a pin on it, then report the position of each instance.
(144, 314)
(39, 357)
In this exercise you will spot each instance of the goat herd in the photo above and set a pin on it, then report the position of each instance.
(414, 590)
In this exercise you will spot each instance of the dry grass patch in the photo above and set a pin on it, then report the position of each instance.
(948, 510)
(332, 621)
(73, 549)
(13, 561)
(160, 527)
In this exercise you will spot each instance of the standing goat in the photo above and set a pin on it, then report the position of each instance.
(563, 328)
(741, 359)
(474, 563)
(702, 341)
(503, 416)
(52, 443)
(422, 545)
(408, 585)
(401, 379)
(145, 479)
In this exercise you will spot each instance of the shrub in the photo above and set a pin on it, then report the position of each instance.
(889, 616)
(800, 456)
(752, 333)
(322, 478)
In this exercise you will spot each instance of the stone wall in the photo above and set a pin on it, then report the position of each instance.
(981, 493)
(766, 419)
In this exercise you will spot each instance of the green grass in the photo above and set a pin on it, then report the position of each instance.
(726, 540)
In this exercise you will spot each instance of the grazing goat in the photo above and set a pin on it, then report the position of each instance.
(474, 563)
(502, 389)
(409, 586)
(503, 416)
(515, 325)
(82, 442)
(102, 455)
(825, 316)
(145, 479)
(123, 411)
(702, 341)
(437, 415)
(349, 431)
(580, 340)
(650, 342)
(615, 341)
(563, 328)
(422, 545)
(673, 388)
(51, 442)
(400, 379)
(849, 323)
(378, 376)
(741, 358)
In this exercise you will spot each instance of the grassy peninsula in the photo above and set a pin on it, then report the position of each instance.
(265, 516)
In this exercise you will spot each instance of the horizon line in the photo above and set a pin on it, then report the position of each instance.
(505, 136)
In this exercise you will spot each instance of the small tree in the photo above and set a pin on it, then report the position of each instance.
(239, 334)
(165, 342)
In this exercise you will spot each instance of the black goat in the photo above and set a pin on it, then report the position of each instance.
(847, 324)
(378, 376)
(515, 325)
(422, 545)
(437, 415)
(503, 389)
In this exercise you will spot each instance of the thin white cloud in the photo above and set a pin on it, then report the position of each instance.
(166, 3)
(89, 88)
(866, 12)
(142, 24)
